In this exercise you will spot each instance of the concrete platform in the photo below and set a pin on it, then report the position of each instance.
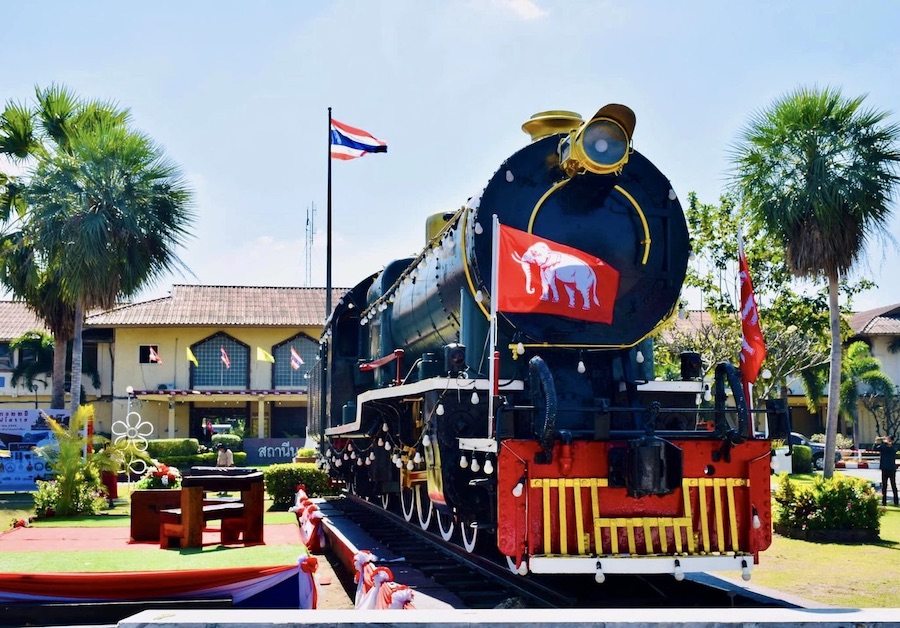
(346, 539)
(586, 618)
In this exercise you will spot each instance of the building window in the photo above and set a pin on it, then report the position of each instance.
(212, 370)
(5, 357)
(285, 375)
(144, 355)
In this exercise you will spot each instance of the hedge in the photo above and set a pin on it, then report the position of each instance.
(282, 480)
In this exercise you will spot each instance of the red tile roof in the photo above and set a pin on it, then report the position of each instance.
(240, 306)
(878, 322)
(16, 319)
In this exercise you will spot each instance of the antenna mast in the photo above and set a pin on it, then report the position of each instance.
(310, 238)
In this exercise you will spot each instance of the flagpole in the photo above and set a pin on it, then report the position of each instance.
(495, 297)
(325, 374)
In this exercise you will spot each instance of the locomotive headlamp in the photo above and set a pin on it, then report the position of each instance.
(601, 145)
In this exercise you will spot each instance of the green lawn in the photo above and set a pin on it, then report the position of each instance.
(19, 506)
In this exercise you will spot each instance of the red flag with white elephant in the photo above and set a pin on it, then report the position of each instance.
(540, 276)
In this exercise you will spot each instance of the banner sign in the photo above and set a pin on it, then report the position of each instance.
(20, 431)
(272, 450)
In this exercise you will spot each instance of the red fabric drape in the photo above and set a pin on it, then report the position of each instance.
(129, 585)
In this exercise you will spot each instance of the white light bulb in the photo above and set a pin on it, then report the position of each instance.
(372, 456)
(520, 348)
(478, 228)
(672, 195)
(387, 446)
(518, 489)
(353, 455)
(384, 427)
(475, 466)
(479, 297)
(475, 399)
(707, 395)
(368, 462)
(488, 467)
(346, 457)
(440, 409)
(639, 357)
(523, 569)
(697, 399)
(581, 367)
(399, 463)
(380, 442)
(426, 441)
(349, 446)
(463, 463)
(417, 458)
(359, 462)
(757, 524)
(410, 466)
(339, 463)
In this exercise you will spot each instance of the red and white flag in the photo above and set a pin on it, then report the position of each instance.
(540, 276)
(753, 346)
(154, 356)
(225, 360)
(296, 360)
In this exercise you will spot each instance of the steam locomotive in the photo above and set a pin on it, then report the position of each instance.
(499, 387)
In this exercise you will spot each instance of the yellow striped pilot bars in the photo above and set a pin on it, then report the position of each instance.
(713, 528)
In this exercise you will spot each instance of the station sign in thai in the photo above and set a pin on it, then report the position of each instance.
(272, 450)
(20, 432)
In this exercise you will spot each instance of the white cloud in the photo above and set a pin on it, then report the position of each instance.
(525, 9)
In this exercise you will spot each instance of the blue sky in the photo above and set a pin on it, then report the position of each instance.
(238, 92)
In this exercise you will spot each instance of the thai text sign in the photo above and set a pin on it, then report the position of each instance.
(271, 450)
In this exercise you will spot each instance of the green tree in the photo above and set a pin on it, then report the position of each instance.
(816, 171)
(101, 208)
(860, 368)
(74, 468)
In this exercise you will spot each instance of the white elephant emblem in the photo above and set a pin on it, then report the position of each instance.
(572, 272)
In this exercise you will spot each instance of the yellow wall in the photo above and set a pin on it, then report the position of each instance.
(175, 369)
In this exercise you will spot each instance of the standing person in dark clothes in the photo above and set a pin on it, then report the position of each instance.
(887, 449)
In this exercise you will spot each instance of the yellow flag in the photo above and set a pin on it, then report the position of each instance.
(191, 357)
(264, 356)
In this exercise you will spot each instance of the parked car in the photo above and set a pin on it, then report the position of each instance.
(818, 450)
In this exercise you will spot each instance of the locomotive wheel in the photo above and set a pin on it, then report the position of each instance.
(469, 534)
(446, 524)
(407, 502)
(424, 507)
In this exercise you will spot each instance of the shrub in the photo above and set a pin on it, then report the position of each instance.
(801, 459)
(234, 442)
(166, 448)
(282, 480)
(842, 442)
(86, 499)
(839, 503)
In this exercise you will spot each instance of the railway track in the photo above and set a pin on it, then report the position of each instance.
(482, 580)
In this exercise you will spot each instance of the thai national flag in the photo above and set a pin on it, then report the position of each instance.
(348, 142)
(296, 360)
(225, 359)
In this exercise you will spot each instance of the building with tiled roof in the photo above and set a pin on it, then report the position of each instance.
(880, 328)
(219, 354)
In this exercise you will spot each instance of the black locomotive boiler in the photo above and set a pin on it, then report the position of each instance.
(499, 386)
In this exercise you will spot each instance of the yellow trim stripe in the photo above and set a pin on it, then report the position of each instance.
(682, 527)
(640, 213)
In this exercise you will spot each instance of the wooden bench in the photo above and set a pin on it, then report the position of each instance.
(246, 521)
(172, 528)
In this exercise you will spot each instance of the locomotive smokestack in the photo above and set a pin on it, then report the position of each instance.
(545, 123)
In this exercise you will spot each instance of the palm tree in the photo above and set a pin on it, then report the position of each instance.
(861, 368)
(817, 173)
(105, 208)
